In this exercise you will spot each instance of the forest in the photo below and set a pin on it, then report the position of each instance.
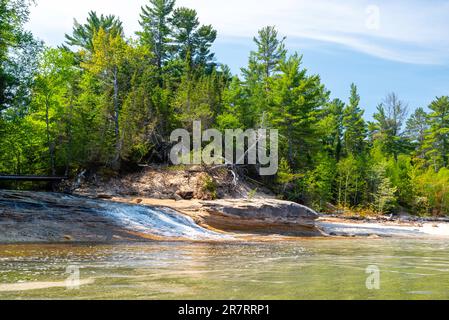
(105, 99)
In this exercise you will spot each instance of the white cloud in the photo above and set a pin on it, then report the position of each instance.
(410, 31)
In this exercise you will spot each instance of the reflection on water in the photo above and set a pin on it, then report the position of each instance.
(309, 269)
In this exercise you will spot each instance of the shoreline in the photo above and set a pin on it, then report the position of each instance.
(39, 217)
(53, 217)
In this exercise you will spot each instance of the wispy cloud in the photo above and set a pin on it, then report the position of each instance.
(410, 31)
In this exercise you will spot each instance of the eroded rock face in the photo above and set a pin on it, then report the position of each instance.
(263, 215)
(264, 209)
(51, 217)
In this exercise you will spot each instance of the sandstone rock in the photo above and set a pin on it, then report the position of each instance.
(264, 215)
(266, 209)
(50, 217)
(177, 197)
(186, 195)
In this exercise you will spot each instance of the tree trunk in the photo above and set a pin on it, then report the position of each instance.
(69, 136)
(346, 188)
(116, 162)
(50, 144)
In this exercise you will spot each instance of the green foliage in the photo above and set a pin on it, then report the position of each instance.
(331, 128)
(350, 181)
(83, 34)
(390, 117)
(437, 138)
(270, 50)
(384, 192)
(432, 191)
(18, 52)
(320, 182)
(355, 126)
(295, 101)
(416, 129)
(285, 180)
(252, 193)
(108, 101)
(192, 41)
(210, 186)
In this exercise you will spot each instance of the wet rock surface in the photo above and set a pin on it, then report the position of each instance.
(51, 217)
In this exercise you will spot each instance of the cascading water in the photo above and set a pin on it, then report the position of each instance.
(37, 216)
(159, 221)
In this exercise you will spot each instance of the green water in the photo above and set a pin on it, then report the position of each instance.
(309, 269)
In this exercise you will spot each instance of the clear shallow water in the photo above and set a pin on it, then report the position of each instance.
(309, 269)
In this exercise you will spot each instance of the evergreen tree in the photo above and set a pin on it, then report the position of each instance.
(416, 129)
(390, 117)
(237, 113)
(18, 53)
(296, 99)
(192, 41)
(270, 50)
(331, 128)
(154, 21)
(354, 125)
(83, 34)
(262, 65)
(437, 138)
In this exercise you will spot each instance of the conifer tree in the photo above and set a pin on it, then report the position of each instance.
(437, 138)
(354, 125)
(156, 31)
(83, 34)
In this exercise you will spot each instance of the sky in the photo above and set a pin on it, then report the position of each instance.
(382, 46)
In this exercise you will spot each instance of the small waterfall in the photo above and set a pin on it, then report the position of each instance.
(39, 216)
(158, 221)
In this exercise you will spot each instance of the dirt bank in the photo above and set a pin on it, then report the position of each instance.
(164, 182)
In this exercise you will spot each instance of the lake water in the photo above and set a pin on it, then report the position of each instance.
(306, 269)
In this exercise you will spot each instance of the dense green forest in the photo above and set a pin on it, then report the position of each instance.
(102, 99)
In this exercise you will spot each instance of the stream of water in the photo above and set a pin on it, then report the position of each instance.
(306, 269)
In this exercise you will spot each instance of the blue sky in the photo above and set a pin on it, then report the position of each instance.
(382, 46)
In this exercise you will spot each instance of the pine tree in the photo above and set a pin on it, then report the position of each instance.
(270, 50)
(18, 57)
(192, 41)
(437, 138)
(262, 65)
(154, 21)
(390, 117)
(416, 129)
(331, 128)
(354, 125)
(83, 34)
(237, 113)
(295, 101)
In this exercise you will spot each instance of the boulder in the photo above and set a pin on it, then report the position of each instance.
(186, 195)
(264, 215)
